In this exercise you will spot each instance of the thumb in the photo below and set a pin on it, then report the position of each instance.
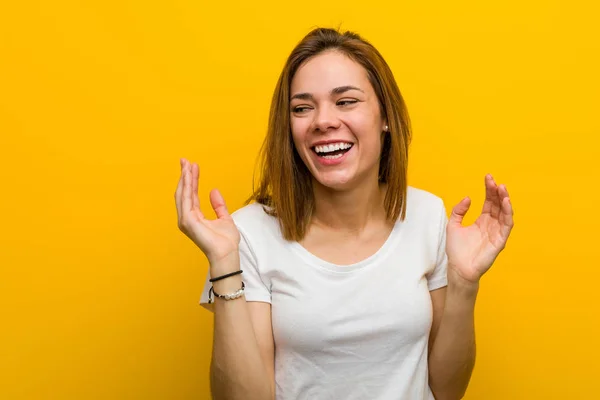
(459, 211)
(218, 204)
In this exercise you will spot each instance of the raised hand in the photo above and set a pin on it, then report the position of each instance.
(218, 239)
(473, 249)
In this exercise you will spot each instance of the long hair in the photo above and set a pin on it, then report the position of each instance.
(285, 187)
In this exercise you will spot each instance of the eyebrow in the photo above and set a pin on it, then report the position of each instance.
(337, 90)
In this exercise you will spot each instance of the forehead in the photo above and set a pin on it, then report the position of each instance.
(329, 70)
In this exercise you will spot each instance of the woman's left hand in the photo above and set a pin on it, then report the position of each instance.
(472, 249)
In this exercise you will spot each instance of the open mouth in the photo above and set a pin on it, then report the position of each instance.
(333, 150)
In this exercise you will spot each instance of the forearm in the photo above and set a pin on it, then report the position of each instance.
(237, 370)
(452, 356)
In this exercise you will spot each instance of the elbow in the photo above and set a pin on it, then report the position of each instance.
(450, 389)
(222, 387)
(448, 394)
(450, 384)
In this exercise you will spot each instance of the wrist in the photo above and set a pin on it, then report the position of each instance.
(458, 285)
(228, 285)
(225, 264)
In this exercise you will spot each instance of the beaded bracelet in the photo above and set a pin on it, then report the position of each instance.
(229, 296)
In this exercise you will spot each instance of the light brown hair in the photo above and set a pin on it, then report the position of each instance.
(285, 185)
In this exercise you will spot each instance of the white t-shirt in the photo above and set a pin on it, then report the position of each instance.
(351, 332)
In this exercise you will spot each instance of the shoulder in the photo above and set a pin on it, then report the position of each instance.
(421, 203)
(260, 234)
(426, 217)
(254, 219)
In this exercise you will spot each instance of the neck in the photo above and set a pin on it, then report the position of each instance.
(348, 211)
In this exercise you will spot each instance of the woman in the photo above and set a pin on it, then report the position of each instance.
(337, 280)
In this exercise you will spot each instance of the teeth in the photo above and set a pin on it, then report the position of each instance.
(328, 148)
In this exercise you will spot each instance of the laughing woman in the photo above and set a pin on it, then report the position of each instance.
(338, 280)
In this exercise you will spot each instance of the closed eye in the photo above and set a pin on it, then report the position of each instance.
(342, 103)
(300, 109)
(346, 102)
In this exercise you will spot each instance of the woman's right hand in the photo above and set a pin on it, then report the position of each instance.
(218, 239)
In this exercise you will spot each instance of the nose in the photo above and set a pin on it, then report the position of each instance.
(325, 119)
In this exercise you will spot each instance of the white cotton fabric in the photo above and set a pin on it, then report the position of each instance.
(350, 332)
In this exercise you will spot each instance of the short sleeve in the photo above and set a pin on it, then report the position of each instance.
(256, 289)
(438, 277)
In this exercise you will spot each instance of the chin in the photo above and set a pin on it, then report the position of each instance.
(336, 182)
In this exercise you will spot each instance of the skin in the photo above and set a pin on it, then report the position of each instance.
(332, 99)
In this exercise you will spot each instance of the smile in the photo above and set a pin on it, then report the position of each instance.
(332, 151)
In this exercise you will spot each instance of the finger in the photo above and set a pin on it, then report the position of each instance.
(492, 202)
(459, 211)
(218, 204)
(502, 193)
(506, 218)
(186, 204)
(179, 190)
(195, 176)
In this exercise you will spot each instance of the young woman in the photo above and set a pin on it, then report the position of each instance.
(338, 280)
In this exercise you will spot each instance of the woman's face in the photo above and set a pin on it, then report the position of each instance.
(336, 121)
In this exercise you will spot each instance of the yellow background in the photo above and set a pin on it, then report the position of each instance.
(99, 99)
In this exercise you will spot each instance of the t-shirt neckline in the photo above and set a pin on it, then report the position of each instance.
(319, 262)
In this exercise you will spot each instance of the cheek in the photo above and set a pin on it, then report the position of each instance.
(298, 128)
(366, 131)
(364, 121)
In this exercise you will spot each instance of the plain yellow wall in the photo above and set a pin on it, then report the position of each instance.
(99, 99)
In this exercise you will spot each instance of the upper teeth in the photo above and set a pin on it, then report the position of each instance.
(327, 148)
